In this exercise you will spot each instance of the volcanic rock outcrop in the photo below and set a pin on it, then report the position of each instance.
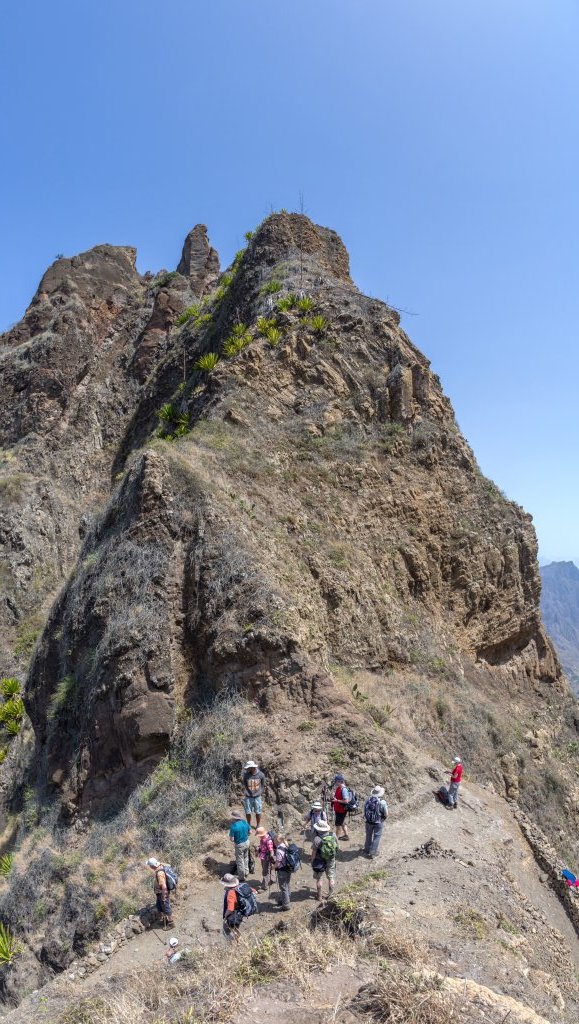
(319, 504)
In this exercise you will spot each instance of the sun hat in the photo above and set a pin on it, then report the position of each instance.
(153, 863)
(236, 814)
(173, 941)
(230, 881)
(322, 826)
(250, 764)
(456, 760)
(317, 805)
(260, 831)
(378, 791)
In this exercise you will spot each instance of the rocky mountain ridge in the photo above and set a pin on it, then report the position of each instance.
(250, 483)
(560, 610)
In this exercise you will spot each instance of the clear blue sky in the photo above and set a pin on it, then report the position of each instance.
(439, 138)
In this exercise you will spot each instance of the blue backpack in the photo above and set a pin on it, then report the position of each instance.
(171, 876)
(246, 900)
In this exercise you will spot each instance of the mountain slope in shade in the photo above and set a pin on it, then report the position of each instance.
(560, 607)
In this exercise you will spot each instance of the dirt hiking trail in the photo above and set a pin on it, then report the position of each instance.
(463, 880)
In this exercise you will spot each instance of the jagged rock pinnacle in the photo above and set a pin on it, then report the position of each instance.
(199, 260)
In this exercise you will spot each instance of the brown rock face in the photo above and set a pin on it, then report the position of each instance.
(319, 507)
(199, 262)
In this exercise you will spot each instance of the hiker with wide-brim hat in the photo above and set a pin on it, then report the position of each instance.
(375, 814)
(316, 813)
(239, 902)
(266, 854)
(324, 849)
(239, 831)
(254, 784)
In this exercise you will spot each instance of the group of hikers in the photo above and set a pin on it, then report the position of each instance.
(279, 858)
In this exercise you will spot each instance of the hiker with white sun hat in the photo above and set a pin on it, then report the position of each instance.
(455, 781)
(316, 813)
(254, 784)
(324, 849)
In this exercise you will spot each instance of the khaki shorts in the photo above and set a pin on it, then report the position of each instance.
(329, 871)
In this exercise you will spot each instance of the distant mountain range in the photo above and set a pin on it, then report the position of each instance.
(560, 608)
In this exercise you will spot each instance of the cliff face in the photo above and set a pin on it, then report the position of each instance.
(300, 522)
(320, 506)
(560, 609)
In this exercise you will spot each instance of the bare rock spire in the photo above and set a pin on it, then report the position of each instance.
(199, 260)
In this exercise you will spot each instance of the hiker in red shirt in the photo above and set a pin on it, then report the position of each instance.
(340, 802)
(455, 781)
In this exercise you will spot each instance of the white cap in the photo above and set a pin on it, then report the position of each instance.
(250, 764)
(456, 760)
(173, 941)
(153, 863)
(378, 791)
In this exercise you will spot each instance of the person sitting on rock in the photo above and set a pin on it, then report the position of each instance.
(239, 835)
(455, 780)
(340, 803)
(254, 782)
(161, 890)
(316, 813)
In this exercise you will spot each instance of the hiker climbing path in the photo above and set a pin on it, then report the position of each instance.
(426, 850)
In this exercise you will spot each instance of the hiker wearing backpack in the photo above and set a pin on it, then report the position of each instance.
(324, 849)
(455, 781)
(239, 835)
(239, 902)
(375, 814)
(165, 882)
(284, 874)
(340, 804)
(317, 813)
(287, 861)
(254, 782)
(266, 855)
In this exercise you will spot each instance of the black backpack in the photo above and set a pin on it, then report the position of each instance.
(246, 900)
(293, 860)
(372, 810)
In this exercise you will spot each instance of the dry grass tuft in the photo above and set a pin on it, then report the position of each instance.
(394, 945)
(295, 955)
(405, 998)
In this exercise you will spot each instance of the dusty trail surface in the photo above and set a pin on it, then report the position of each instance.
(464, 881)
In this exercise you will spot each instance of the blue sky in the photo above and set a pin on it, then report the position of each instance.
(438, 138)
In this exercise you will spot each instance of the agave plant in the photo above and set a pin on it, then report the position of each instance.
(9, 687)
(12, 726)
(264, 324)
(12, 710)
(234, 345)
(306, 304)
(318, 324)
(208, 362)
(271, 287)
(6, 862)
(288, 302)
(188, 313)
(167, 412)
(238, 330)
(9, 948)
(273, 336)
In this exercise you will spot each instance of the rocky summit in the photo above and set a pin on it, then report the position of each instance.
(239, 518)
